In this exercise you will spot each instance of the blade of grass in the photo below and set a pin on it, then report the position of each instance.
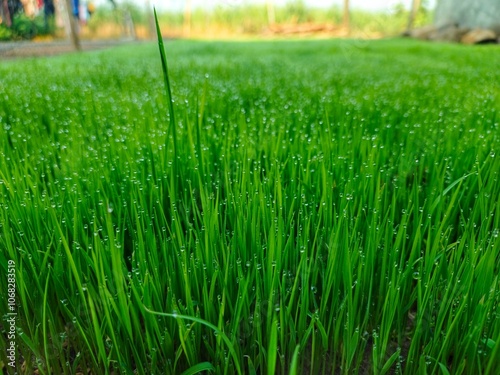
(207, 324)
(295, 361)
(272, 351)
(44, 323)
(200, 367)
(168, 92)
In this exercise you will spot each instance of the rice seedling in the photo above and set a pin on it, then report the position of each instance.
(313, 207)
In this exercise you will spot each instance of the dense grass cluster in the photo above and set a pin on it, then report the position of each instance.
(317, 207)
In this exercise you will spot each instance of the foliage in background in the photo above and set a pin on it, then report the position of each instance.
(252, 19)
(223, 20)
(107, 13)
(24, 27)
(5, 33)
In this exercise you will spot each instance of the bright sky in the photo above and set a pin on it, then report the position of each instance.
(382, 5)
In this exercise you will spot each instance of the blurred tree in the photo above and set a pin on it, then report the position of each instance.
(415, 6)
(72, 10)
(271, 19)
(346, 19)
(187, 18)
(151, 20)
(5, 13)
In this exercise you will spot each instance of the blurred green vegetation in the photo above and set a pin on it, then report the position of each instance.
(24, 27)
(253, 19)
(223, 20)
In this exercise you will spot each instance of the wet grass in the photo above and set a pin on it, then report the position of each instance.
(315, 207)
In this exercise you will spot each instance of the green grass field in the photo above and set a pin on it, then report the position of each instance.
(315, 207)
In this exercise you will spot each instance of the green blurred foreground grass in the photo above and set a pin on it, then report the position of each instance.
(326, 206)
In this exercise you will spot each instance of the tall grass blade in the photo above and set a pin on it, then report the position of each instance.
(168, 89)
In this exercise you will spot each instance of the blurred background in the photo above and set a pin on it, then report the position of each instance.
(133, 19)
